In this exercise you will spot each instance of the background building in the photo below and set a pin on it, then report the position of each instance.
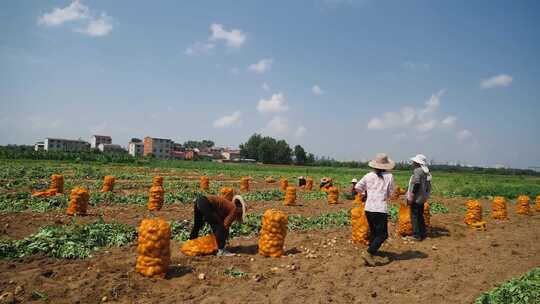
(230, 154)
(135, 148)
(61, 144)
(99, 139)
(39, 146)
(110, 148)
(158, 147)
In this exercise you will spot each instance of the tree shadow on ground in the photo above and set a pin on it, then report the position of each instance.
(176, 271)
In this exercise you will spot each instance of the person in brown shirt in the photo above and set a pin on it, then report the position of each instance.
(219, 213)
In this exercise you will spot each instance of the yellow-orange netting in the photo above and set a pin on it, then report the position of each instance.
(204, 245)
(153, 248)
(498, 208)
(360, 226)
(273, 233)
(227, 192)
(108, 183)
(155, 199)
(290, 196)
(78, 202)
(523, 206)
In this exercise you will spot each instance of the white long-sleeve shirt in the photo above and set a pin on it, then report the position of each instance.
(378, 190)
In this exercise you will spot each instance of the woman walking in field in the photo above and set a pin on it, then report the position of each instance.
(378, 185)
(418, 194)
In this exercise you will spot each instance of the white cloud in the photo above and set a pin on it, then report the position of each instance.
(101, 26)
(199, 48)
(501, 80)
(317, 90)
(464, 134)
(278, 125)
(262, 66)
(300, 131)
(74, 11)
(265, 86)
(449, 121)
(233, 38)
(275, 104)
(229, 120)
(393, 119)
(426, 126)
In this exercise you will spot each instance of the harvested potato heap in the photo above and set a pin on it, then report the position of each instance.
(538, 203)
(270, 180)
(474, 213)
(309, 184)
(332, 195)
(57, 183)
(204, 245)
(360, 226)
(155, 199)
(157, 181)
(498, 208)
(153, 248)
(205, 183)
(78, 202)
(404, 220)
(244, 184)
(273, 232)
(290, 196)
(427, 215)
(227, 192)
(108, 183)
(523, 206)
(283, 184)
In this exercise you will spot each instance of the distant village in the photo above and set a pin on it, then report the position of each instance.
(160, 148)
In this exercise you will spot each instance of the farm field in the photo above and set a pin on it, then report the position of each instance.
(44, 256)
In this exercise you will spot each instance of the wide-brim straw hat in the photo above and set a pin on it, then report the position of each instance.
(422, 161)
(354, 180)
(243, 203)
(382, 162)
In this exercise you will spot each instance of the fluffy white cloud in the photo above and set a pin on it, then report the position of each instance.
(262, 66)
(317, 90)
(265, 86)
(501, 80)
(233, 38)
(393, 119)
(74, 11)
(464, 134)
(199, 48)
(229, 120)
(278, 125)
(449, 121)
(101, 26)
(275, 104)
(300, 131)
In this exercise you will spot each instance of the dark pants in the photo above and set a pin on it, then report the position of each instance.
(417, 221)
(204, 212)
(378, 230)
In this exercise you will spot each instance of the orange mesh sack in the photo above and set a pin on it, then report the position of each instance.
(309, 184)
(204, 245)
(290, 196)
(157, 181)
(358, 199)
(273, 233)
(204, 183)
(498, 208)
(244, 184)
(283, 184)
(474, 212)
(227, 193)
(46, 193)
(57, 183)
(360, 226)
(153, 248)
(78, 202)
(404, 220)
(538, 203)
(523, 206)
(427, 215)
(155, 199)
(108, 183)
(332, 195)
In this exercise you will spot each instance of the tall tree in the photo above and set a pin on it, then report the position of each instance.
(250, 149)
(300, 156)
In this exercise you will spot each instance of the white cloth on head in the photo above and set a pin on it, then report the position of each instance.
(378, 191)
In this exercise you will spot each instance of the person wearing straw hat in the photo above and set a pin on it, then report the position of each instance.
(219, 213)
(378, 184)
(354, 181)
(417, 194)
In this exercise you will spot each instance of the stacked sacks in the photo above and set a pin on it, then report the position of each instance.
(108, 183)
(283, 184)
(57, 183)
(273, 232)
(153, 248)
(204, 183)
(309, 184)
(523, 206)
(227, 193)
(78, 202)
(404, 220)
(155, 199)
(204, 245)
(498, 208)
(360, 226)
(474, 213)
(538, 203)
(157, 181)
(290, 196)
(244, 184)
(427, 215)
(332, 195)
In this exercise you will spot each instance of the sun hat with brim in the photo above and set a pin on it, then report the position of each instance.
(243, 203)
(354, 180)
(422, 161)
(382, 162)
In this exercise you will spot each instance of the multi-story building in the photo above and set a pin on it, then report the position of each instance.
(62, 144)
(230, 154)
(100, 139)
(39, 146)
(158, 147)
(135, 148)
(110, 148)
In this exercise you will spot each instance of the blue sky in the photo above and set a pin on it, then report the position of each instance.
(455, 80)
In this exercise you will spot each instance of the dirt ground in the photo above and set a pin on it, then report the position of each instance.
(454, 265)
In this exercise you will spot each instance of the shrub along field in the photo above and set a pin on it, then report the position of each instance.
(36, 234)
